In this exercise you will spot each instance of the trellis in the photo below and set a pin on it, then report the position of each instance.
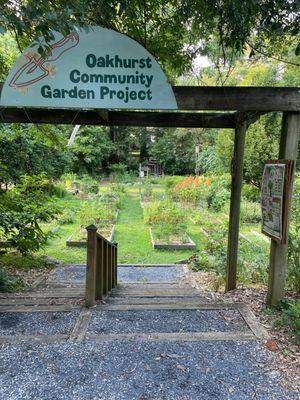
(234, 108)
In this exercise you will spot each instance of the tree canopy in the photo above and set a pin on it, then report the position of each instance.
(174, 31)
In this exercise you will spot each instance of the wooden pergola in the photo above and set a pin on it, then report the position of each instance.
(205, 107)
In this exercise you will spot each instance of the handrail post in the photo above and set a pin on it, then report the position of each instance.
(104, 270)
(91, 265)
(99, 269)
(109, 266)
(116, 264)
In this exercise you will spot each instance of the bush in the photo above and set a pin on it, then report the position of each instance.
(169, 181)
(218, 198)
(67, 217)
(118, 172)
(88, 185)
(250, 212)
(163, 213)
(290, 318)
(251, 193)
(68, 180)
(293, 269)
(8, 283)
(22, 210)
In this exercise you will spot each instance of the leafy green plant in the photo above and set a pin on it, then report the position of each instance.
(290, 317)
(250, 212)
(8, 283)
(293, 269)
(22, 210)
(67, 217)
(89, 185)
(158, 213)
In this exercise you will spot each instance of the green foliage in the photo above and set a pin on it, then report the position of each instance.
(22, 152)
(118, 172)
(22, 210)
(250, 212)
(88, 185)
(91, 150)
(250, 193)
(67, 217)
(163, 213)
(290, 317)
(218, 193)
(267, 27)
(169, 233)
(174, 150)
(293, 270)
(8, 283)
(170, 181)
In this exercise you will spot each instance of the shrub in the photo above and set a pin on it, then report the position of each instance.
(290, 318)
(22, 210)
(293, 269)
(67, 217)
(8, 283)
(68, 180)
(89, 185)
(163, 213)
(218, 198)
(250, 212)
(251, 193)
(191, 189)
(169, 181)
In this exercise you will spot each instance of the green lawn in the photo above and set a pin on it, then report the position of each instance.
(131, 233)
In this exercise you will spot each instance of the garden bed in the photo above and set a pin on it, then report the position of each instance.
(79, 238)
(173, 244)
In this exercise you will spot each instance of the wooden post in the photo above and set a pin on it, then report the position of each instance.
(91, 265)
(235, 200)
(99, 269)
(278, 254)
(116, 264)
(109, 266)
(113, 266)
(105, 251)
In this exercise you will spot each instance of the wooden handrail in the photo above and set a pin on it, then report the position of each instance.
(101, 268)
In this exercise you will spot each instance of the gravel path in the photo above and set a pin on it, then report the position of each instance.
(37, 323)
(139, 371)
(76, 274)
(152, 321)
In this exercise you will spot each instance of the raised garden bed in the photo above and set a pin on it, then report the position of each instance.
(173, 244)
(79, 238)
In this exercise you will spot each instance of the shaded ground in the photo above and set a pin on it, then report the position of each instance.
(74, 368)
(139, 371)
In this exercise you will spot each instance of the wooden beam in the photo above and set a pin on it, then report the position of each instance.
(235, 201)
(237, 98)
(278, 254)
(172, 119)
(118, 118)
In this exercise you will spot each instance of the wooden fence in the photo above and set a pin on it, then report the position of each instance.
(101, 270)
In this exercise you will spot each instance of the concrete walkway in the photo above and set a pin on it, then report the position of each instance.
(154, 338)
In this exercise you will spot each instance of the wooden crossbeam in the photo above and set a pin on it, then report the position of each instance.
(118, 118)
(237, 98)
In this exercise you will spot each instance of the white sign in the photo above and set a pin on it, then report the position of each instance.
(94, 68)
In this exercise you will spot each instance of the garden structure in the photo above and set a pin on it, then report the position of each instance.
(178, 106)
(248, 102)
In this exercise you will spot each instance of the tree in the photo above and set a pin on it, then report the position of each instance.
(26, 150)
(175, 150)
(91, 150)
(174, 31)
